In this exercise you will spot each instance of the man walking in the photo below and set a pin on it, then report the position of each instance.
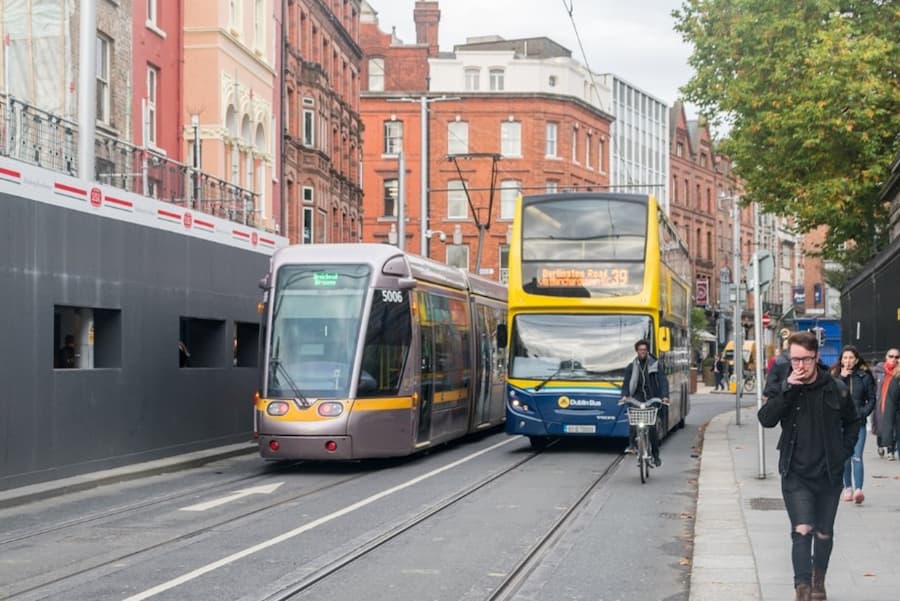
(719, 371)
(819, 428)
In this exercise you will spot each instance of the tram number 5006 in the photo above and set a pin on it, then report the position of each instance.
(391, 296)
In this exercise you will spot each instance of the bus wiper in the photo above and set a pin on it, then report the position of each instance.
(566, 365)
(298, 396)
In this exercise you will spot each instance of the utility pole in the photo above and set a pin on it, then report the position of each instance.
(738, 330)
(401, 200)
(87, 89)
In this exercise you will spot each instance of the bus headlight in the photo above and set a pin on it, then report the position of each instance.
(277, 408)
(517, 404)
(330, 409)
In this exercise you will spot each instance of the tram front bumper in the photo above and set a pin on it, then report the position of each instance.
(316, 448)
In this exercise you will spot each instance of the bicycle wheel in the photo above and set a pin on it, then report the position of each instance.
(643, 466)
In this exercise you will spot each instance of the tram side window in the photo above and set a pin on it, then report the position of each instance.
(246, 344)
(86, 337)
(201, 342)
(387, 343)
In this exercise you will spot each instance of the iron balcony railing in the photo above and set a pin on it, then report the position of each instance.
(35, 136)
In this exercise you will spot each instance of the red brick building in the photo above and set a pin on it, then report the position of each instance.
(157, 55)
(484, 144)
(322, 133)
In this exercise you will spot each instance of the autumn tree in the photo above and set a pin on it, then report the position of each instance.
(810, 94)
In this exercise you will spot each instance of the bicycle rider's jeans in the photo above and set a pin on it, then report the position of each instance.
(854, 465)
(814, 502)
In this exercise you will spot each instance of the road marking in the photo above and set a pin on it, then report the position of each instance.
(265, 489)
(308, 526)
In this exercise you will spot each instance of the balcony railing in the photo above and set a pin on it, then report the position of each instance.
(35, 136)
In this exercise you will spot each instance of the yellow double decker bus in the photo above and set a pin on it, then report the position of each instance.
(590, 274)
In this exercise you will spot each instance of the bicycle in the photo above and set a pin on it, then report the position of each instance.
(642, 415)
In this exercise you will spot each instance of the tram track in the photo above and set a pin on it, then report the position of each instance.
(292, 590)
(517, 577)
(107, 562)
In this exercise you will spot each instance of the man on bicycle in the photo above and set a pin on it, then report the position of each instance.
(644, 379)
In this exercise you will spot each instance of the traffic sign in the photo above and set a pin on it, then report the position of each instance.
(766, 319)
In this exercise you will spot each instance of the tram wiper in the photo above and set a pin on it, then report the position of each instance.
(298, 396)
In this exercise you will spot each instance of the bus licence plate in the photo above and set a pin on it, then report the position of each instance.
(580, 429)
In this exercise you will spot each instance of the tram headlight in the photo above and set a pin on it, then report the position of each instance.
(277, 408)
(330, 409)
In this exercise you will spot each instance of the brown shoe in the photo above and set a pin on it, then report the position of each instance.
(817, 592)
(803, 592)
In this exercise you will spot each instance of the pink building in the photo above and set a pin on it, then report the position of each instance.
(156, 116)
(231, 92)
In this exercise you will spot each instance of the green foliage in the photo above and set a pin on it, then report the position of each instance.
(811, 92)
(699, 323)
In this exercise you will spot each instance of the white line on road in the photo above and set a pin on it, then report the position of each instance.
(265, 489)
(307, 527)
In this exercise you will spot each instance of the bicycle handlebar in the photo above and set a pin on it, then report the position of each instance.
(633, 402)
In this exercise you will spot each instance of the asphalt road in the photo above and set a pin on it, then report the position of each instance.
(481, 519)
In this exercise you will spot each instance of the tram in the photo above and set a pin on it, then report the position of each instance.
(590, 274)
(369, 351)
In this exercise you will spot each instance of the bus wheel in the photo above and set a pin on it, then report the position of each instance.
(538, 443)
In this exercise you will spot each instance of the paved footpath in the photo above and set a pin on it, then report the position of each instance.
(742, 535)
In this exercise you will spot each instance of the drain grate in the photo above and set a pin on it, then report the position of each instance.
(766, 504)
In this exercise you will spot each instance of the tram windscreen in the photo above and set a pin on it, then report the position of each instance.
(575, 347)
(584, 247)
(316, 315)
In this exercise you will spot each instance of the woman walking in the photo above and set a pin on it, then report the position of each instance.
(855, 373)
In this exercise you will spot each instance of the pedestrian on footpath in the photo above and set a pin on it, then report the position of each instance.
(719, 371)
(882, 373)
(855, 374)
(819, 429)
(890, 421)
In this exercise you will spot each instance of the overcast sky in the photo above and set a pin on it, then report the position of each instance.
(633, 39)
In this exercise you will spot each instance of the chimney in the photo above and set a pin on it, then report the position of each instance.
(427, 15)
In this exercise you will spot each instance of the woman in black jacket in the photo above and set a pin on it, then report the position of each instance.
(855, 373)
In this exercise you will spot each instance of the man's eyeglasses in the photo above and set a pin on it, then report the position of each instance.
(893, 356)
(804, 360)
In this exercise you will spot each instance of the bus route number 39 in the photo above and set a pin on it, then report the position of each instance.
(391, 296)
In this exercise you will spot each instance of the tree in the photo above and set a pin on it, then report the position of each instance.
(811, 92)
(699, 323)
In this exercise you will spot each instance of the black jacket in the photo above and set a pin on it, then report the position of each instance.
(833, 411)
(657, 383)
(890, 420)
(861, 385)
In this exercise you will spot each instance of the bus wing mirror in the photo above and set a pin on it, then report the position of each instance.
(501, 335)
(406, 283)
(265, 282)
(664, 340)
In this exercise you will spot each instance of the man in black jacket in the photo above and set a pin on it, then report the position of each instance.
(644, 379)
(819, 428)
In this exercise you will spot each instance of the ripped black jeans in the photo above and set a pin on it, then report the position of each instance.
(812, 501)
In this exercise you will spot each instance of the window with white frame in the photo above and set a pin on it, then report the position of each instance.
(309, 128)
(588, 142)
(509, 191)
(234, 14)
(550, 147)
(307, 225)
(152, 89)
(376, 74)
(104, 45)
(457, 204)
(259, 24)
(393, 137)
(391, 193)
(600, 152)
(152, 14)
(458, 256)
(473, 75)
(496, 79)
(511, 138)
(457, 137)
(574, 145)
(552, 186)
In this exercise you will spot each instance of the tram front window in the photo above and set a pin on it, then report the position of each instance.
(316, 315)
(575, 347)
